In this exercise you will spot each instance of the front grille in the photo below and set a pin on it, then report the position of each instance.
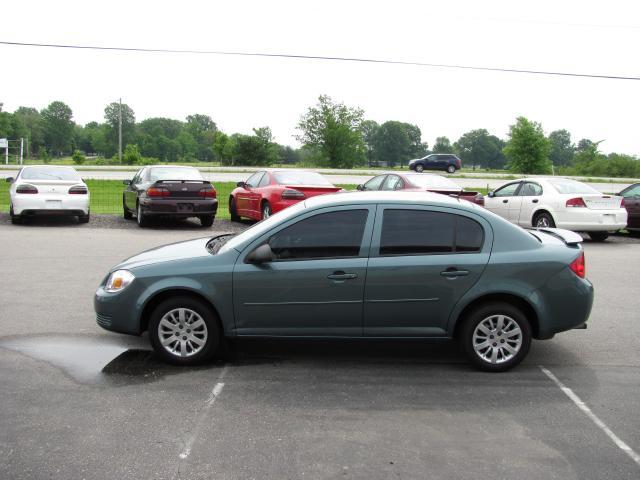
(103, 320)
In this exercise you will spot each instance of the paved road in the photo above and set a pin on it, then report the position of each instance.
(79, 402)
(335, 176)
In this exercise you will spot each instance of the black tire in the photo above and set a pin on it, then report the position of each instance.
(543, 219)
(419, 168)
(598, 236)
(213, 338)
(125, 211)
(141, 218)
(484, 313)
(206, 220)
(84, 218)
(15, 219)
(233, 211)
(451, 169)
(266, 210)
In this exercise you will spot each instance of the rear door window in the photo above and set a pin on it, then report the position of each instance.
(530, 190)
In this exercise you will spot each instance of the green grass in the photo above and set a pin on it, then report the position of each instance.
(106, 196)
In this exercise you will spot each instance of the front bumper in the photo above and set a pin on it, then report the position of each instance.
(118, 312)
(180, 208)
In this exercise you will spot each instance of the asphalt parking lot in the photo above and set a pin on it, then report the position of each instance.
(79, 402)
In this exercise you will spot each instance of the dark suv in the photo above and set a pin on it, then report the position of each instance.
(437, 161)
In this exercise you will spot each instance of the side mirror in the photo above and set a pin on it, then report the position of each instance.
(491, 194)
(126, 182)
(241, 184)
(262, 254)
(360, 187)
(9, 180)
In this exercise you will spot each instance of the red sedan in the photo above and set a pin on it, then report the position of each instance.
(270, 191)
(421, 181)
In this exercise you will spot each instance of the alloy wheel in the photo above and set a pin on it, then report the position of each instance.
(497, 339)
(182, 332)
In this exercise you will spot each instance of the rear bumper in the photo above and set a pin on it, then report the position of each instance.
(43, 204)
(587, 220)
(180, 208)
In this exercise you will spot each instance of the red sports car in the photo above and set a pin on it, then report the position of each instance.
(270, 191)
(421, 181)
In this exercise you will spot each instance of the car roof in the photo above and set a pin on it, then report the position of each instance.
(171, 166)
(399, 197)
(48, 166)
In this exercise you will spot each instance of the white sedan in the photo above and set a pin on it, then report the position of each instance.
(48, 190)
(558, 202)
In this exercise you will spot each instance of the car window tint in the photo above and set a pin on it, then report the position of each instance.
(632, 192)
(49, 173)
(374, 183)
(326, 235)
(507, 190)
(254, 179)
(265, 180)
(421, 232)
(530, 190)
(393, 182)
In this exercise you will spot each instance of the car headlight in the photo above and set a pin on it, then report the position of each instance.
(119, 280)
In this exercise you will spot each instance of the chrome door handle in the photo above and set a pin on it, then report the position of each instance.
(452, 273)
(342, 276)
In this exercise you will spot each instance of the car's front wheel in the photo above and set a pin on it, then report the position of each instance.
(451, 169)
(184, 330)
(599, 236)
(496, 336)
(419, 168)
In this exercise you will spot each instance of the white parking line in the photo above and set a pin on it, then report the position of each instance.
(217, 389)
(594, 418)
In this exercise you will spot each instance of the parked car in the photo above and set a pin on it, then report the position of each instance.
(48, 190)
(631, 196)
(558, 202)
(420, 182)
(436, 161)
(359, 264)
(269, 191)
(169, 191)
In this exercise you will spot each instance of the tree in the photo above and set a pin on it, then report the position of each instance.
(442, 145)
(203, 129)
(257, 149)
(585, 144)
(478, 148)
(562, 150)
(369, 132)
(220, 141)
(78, 157)
(58, 127)
(111, 117)
(396, 142)
(335, 130)
(527, 149)
(32, 120)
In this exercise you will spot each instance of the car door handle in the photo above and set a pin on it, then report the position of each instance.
(534, 201)
(342, 276)
(454, 272)
(505, 201)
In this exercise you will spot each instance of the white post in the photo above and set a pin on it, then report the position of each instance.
(6, 154)
(21, 149)
(120, 131)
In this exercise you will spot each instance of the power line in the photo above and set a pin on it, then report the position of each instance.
(321, 58)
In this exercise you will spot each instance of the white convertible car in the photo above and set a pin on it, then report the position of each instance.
(48, 190)
(558, 202)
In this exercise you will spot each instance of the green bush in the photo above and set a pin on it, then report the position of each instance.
(78, 158)
(131, 155)
(44, 155)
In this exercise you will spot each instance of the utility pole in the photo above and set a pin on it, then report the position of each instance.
(21, 149)
(120, 131)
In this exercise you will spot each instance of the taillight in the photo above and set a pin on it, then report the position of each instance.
(479, 199)
(26, 189)
(575, 202)
(291, 194)
(78, 190)
(622, 203)
(207, 193)
(158, 192)
(578, 266)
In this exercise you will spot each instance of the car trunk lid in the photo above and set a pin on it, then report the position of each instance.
(313, 190)
(52, 186)
(602, 202)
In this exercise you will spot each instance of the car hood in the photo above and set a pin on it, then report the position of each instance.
(167, 253)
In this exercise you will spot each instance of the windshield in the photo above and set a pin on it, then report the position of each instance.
(433, 182)
(173, 173)
(301, 178)
(49, 173)
(262, 226)
(565, 185)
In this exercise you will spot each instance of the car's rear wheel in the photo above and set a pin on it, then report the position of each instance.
(125, 211)
(184, 331)
(206, 220)
(266, 210)
(543, 220)
(496, 336)
(451, 169)
(15, 219)
(140, 216)
(84, 218)
(598, 236)
(233, 210)
(419, 168)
